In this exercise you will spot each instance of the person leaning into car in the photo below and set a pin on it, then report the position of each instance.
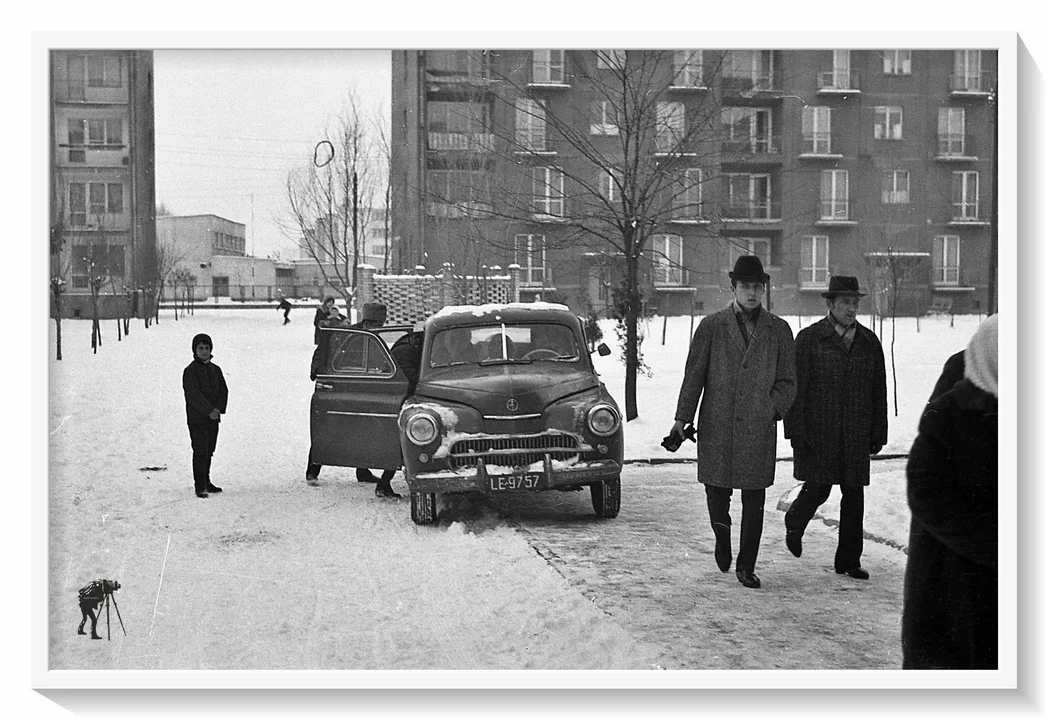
(741, 363)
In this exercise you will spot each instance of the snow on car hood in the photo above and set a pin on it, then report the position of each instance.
(488, 389)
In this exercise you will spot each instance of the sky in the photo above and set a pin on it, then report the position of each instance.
(231, 124)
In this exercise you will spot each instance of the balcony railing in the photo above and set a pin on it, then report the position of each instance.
(965, 212)
(838, 210)
(817, 143)
(474, 142)
(755, 210)
(953, 145)
(838, 81)
(979, 83)
(758, 82)
(768, 145)
(814, 277)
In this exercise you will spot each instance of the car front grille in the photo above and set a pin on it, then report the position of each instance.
(513, 451)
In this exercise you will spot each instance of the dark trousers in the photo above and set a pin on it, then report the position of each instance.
(718, 500)
(204, 437)
(849, 532)
(89, 609)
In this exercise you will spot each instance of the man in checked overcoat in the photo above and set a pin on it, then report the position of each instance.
(839, 419)
(741, 365)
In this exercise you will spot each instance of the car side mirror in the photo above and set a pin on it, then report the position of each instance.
(603, 350)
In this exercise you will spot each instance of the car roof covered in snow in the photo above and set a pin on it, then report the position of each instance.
(455, 315)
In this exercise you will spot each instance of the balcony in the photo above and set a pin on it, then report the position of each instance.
(952, 279)
(966, 214)
(755, 211)
(469, 142)
(835, 213)
(837, 82)
(969, 84)
(953, 147)
(759, 84)
(818, 146)
(672, 147)
(458, 209)
(755, 147)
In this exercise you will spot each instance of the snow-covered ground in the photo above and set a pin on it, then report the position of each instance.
(274, 575)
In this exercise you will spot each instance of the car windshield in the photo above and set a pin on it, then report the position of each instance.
(504, 343)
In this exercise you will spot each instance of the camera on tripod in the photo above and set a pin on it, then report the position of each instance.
(674, 440)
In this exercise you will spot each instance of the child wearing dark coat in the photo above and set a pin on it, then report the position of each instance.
(206, 394)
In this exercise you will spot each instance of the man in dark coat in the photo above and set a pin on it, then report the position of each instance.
(286, 307)
(323, 315)
(839, 419)
(206, 396)
(741, 364)
(949, 617)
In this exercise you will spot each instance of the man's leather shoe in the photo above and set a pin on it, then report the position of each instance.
(385, 490)
(793, 542)
(856, 572)
(213, 488)
(202, 494)
(748, 579)
(722, 553)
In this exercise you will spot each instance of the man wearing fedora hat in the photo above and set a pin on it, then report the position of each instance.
(741, 364)
(839, 419)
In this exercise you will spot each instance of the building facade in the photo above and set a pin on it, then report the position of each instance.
(103, 196)
(873, 163)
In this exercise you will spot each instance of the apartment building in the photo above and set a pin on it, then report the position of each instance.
(103, 195)
(874, 163)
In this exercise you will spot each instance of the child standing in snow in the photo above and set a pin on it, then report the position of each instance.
(206, 394)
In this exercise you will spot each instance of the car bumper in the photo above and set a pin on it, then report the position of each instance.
(501, 479)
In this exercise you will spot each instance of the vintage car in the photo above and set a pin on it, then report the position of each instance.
(507, 401)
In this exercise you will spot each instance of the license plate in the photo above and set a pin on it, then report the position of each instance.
(528, 481)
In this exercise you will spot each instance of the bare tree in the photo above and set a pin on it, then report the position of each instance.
(329, 202)
(59, 268)
(385, 180)
(167, 259)
(635, 159)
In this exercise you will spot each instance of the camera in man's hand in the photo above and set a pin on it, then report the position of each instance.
(674, 440)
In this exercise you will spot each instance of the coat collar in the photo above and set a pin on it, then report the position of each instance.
(971, 399)
(760, 330)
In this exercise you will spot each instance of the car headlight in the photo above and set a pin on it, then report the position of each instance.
(603, 420)
(421, 428)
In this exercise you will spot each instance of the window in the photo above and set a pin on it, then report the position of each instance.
(840, 77)
(738, 246)
(687, 68)
(887, 124)
(749, 196)
(94, 200)
(77, 131)
(611, 59)
(547, 66)
(749, 69)
(815, 261)
(815, 127)
(603, 118)
(687, 198)
(833, 194)
(746, 129)
(951, 131)
(104, 71)
(98, 261)
(669, 125)
(667, 260)
(531, 124)
(966, 195)
(547, 191)
(609, 184)
(946, 260)
(529, 251)
(967, 70)
(895, 187)
(358, 354)
(77, 204)
(108, 131)
(896, 62)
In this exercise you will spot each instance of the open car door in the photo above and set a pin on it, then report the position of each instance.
(356, 401)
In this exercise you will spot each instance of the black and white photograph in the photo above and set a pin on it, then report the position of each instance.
(527, 361)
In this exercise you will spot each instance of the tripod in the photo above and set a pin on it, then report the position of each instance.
(110, 595)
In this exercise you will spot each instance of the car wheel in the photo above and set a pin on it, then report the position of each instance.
(606, 496)
(424, 508)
